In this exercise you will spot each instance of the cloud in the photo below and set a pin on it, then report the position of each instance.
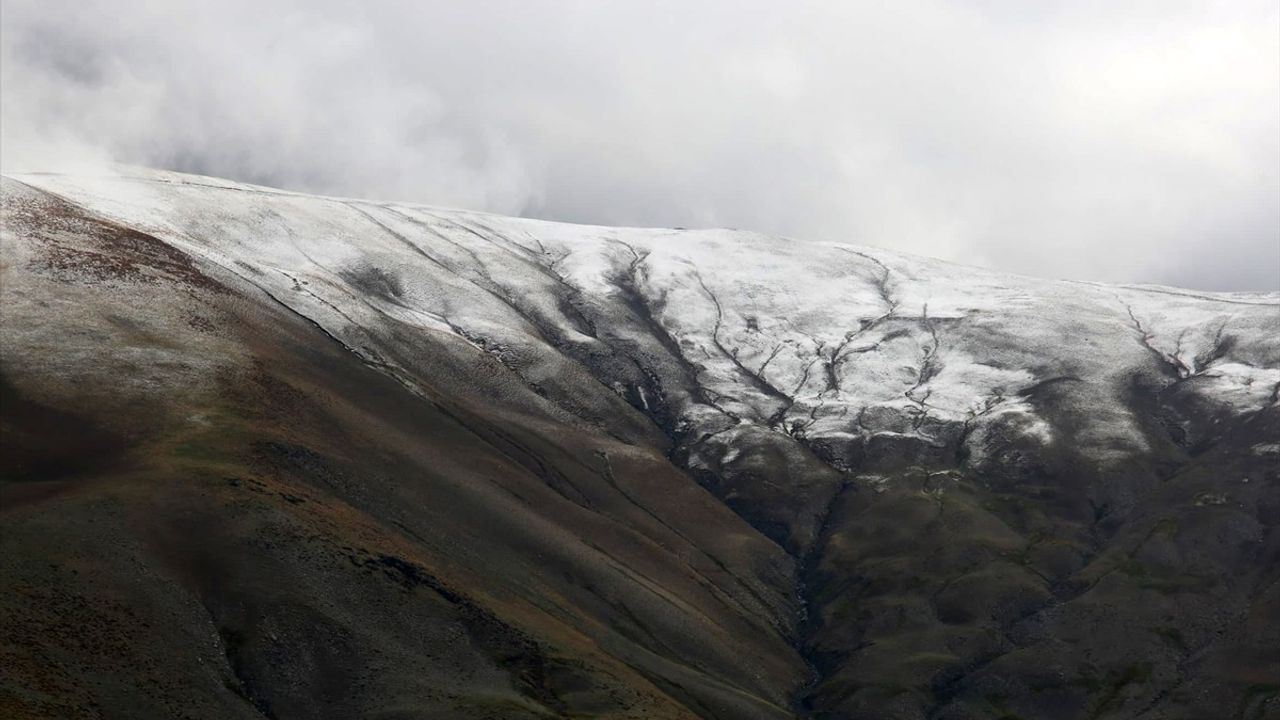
(1135, 142)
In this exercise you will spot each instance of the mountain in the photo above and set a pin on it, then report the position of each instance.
(275, 455)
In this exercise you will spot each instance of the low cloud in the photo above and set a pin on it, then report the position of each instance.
(1131, 142)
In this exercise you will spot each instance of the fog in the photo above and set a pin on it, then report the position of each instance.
(1112, 141)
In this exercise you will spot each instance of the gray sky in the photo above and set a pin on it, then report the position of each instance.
(1109, 140)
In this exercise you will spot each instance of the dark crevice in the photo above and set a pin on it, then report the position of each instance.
(927, 371)
(1172, 363)
(883, 285)
(569, 296)
(808, 581)
(483, 281)
(627, 282)
(752, 377)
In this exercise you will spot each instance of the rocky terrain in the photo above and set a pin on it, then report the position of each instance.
(275, 455)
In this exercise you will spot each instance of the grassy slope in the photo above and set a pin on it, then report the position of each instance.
(211, 508)
(287, 532)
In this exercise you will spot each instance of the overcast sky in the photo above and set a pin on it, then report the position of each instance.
(1109, 140)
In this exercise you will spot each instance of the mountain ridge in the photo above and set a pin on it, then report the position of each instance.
(772, 479)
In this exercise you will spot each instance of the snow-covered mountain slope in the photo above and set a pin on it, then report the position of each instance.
(954, 492)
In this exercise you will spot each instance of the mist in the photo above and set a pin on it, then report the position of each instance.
(1124, 142)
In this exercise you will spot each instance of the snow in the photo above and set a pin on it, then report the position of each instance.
(817, 340)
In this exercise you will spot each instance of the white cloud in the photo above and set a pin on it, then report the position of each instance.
(1115, 141)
